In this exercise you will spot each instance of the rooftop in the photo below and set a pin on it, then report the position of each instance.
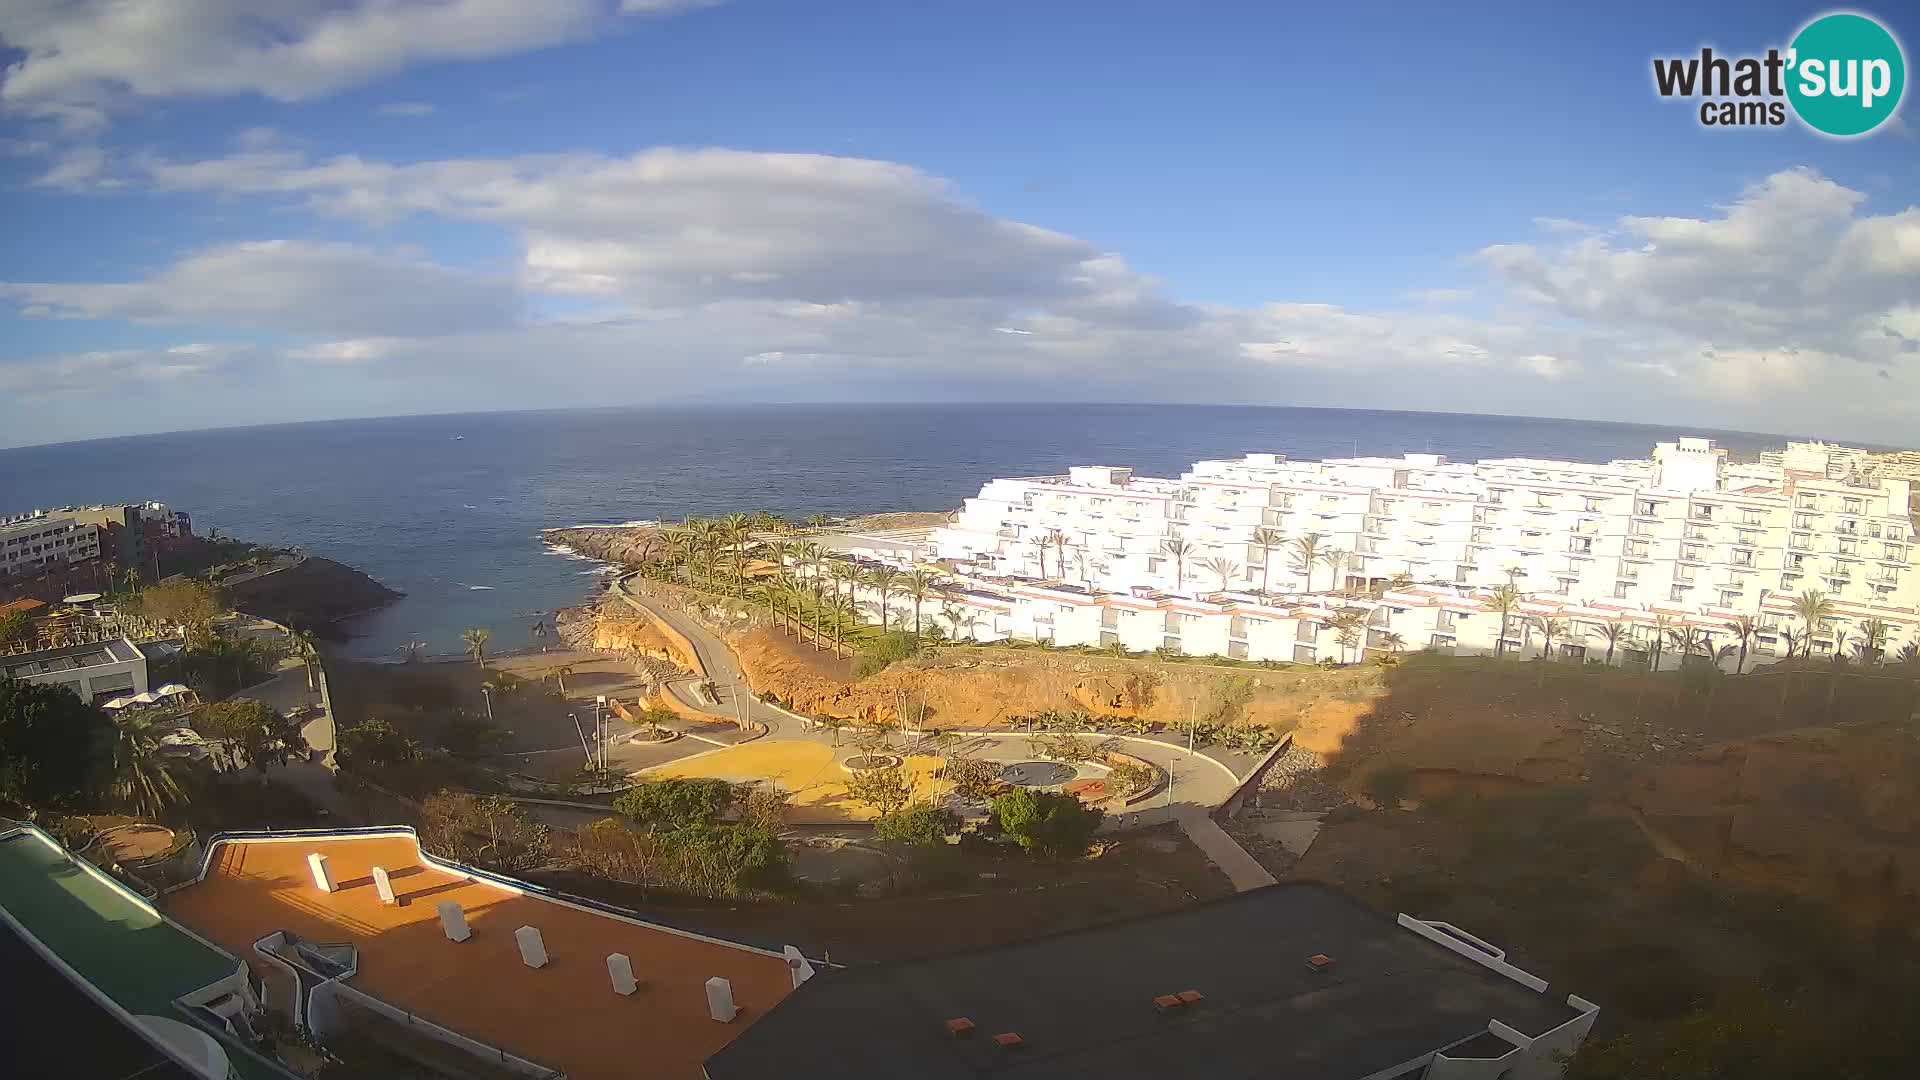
(69, 658)
(564, 1015)
(106, 935)
(1083, 1003)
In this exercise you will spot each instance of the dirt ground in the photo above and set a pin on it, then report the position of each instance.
(1146, 872)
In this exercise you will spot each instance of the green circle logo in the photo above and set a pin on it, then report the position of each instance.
(1845, 74)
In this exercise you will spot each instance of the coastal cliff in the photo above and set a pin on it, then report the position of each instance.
(315, 593)
(623, 545)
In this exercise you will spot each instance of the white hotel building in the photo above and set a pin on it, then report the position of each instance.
(1686, 536)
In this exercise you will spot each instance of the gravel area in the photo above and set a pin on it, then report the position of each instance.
(1296, 781)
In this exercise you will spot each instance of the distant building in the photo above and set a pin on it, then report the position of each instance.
(135, 531)
(1684, 539)
(97, 672)
(37, 543)
(1290, 980)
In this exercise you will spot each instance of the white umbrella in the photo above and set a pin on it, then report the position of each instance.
(147, 698)
(118, 703)
(171, 689)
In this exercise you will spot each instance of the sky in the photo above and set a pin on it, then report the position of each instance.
(226, 212)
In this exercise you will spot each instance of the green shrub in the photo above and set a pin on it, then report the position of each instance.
(1046, 823)
(920, 824)
(748, 854)
(876, 655)
(676, 804)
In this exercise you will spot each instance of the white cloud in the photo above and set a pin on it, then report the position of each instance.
(721, 271)
(111, 371)
(1441, 297)
(82, 58)
(76, 168)
(289, 286)
(406, 109)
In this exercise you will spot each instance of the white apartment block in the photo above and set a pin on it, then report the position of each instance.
(30, 545)
(1685, 538)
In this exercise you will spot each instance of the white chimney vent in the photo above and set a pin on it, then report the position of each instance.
(454, 921)
(720, 1004)
(322, 875)
(798, 965)
(533, 949)
(383, 885)
(620, 971)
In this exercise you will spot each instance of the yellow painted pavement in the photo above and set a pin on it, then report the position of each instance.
(809, 772)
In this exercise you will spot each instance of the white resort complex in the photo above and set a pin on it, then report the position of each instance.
(1263, 558)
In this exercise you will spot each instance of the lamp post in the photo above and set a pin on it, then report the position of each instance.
(600, 730)
(487, 696)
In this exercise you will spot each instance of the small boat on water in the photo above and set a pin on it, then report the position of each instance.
(459, 438)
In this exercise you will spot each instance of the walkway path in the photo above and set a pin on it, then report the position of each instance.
(1198, 782)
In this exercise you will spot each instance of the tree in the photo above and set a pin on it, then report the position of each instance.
(884, 789)
(919, 824)
(882, 579)
(143, 779)
(373, 745)
(1059, 541)
(1744, 627)
(56, 751)
(1615, 630)
(192, 604)
(560, 677)
(1039, 543)
(1225, 569)
(1335, 558)
(1812, 608)
(1306, 553)
(969, 778)
(410, 652)
(1179, 549)
(1504, 600)
(815, 557)
(1395, 643)
(1046, 823)
(238, 725)
(1657, 640)
(307, 648)
(219, 664)
(919, 583)
(676, 803)
(483, 831)
(1348, 626)
(476, 638)
(1873, 642)
(14, 626)
(1267, 540)
(1551, 630)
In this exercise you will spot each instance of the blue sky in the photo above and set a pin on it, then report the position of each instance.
(225, 213)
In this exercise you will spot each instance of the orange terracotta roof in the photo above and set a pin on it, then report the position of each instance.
(565, 1015)
(29, 604)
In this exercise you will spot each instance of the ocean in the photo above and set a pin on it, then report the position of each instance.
(448, 509)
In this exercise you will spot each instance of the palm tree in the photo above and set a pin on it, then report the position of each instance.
(957, 617)
(131, 577)
(1059, 541)
(815, 557)
(1689, 640)
(1789, 640)
(1394, 642)
(1335, 559)
(1040, 550)
(1179, 549)
(1614, 630)
(840, 606)
(1744, 627)
(1504, 600)
(143, 779)
(1812, 608)
(737, 530)
(1225, 568)
(307, 648)
(476, 638)
(1306, 552)
(843, 573)
(882, 579)
(1266, 540)
(919, 583)
(1550, 628)
(1657, 643)
(1873, 641)
(560, 676)
(817, 521)
(410, 652)
(1348, 625)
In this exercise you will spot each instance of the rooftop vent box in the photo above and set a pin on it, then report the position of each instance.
(960, 1027)
(1320, 962)
(1008, 1040)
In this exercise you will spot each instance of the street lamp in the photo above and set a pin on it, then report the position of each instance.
(487, 696)
(600, 729)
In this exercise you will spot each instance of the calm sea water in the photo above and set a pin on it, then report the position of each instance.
(454, 523)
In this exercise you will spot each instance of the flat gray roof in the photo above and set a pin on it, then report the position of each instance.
(1083, 1002)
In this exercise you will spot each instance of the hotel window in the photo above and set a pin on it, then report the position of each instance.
(1894, 533)
(1750, 517)
(1683, 573)
(1896, 553)
(1646, 508)
(1853, 506)
(1703, 512)
(1789, 582)
(1800, 542)
(1803, 521)
(1620, 590)
(1846, 526)
(1593, 505)
(1849, 547)
(1690, 551)
(1567, 583)
(1729, 598)
(1637, 549)
(1742, 558)
(1678, 592)
(1809, 502)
